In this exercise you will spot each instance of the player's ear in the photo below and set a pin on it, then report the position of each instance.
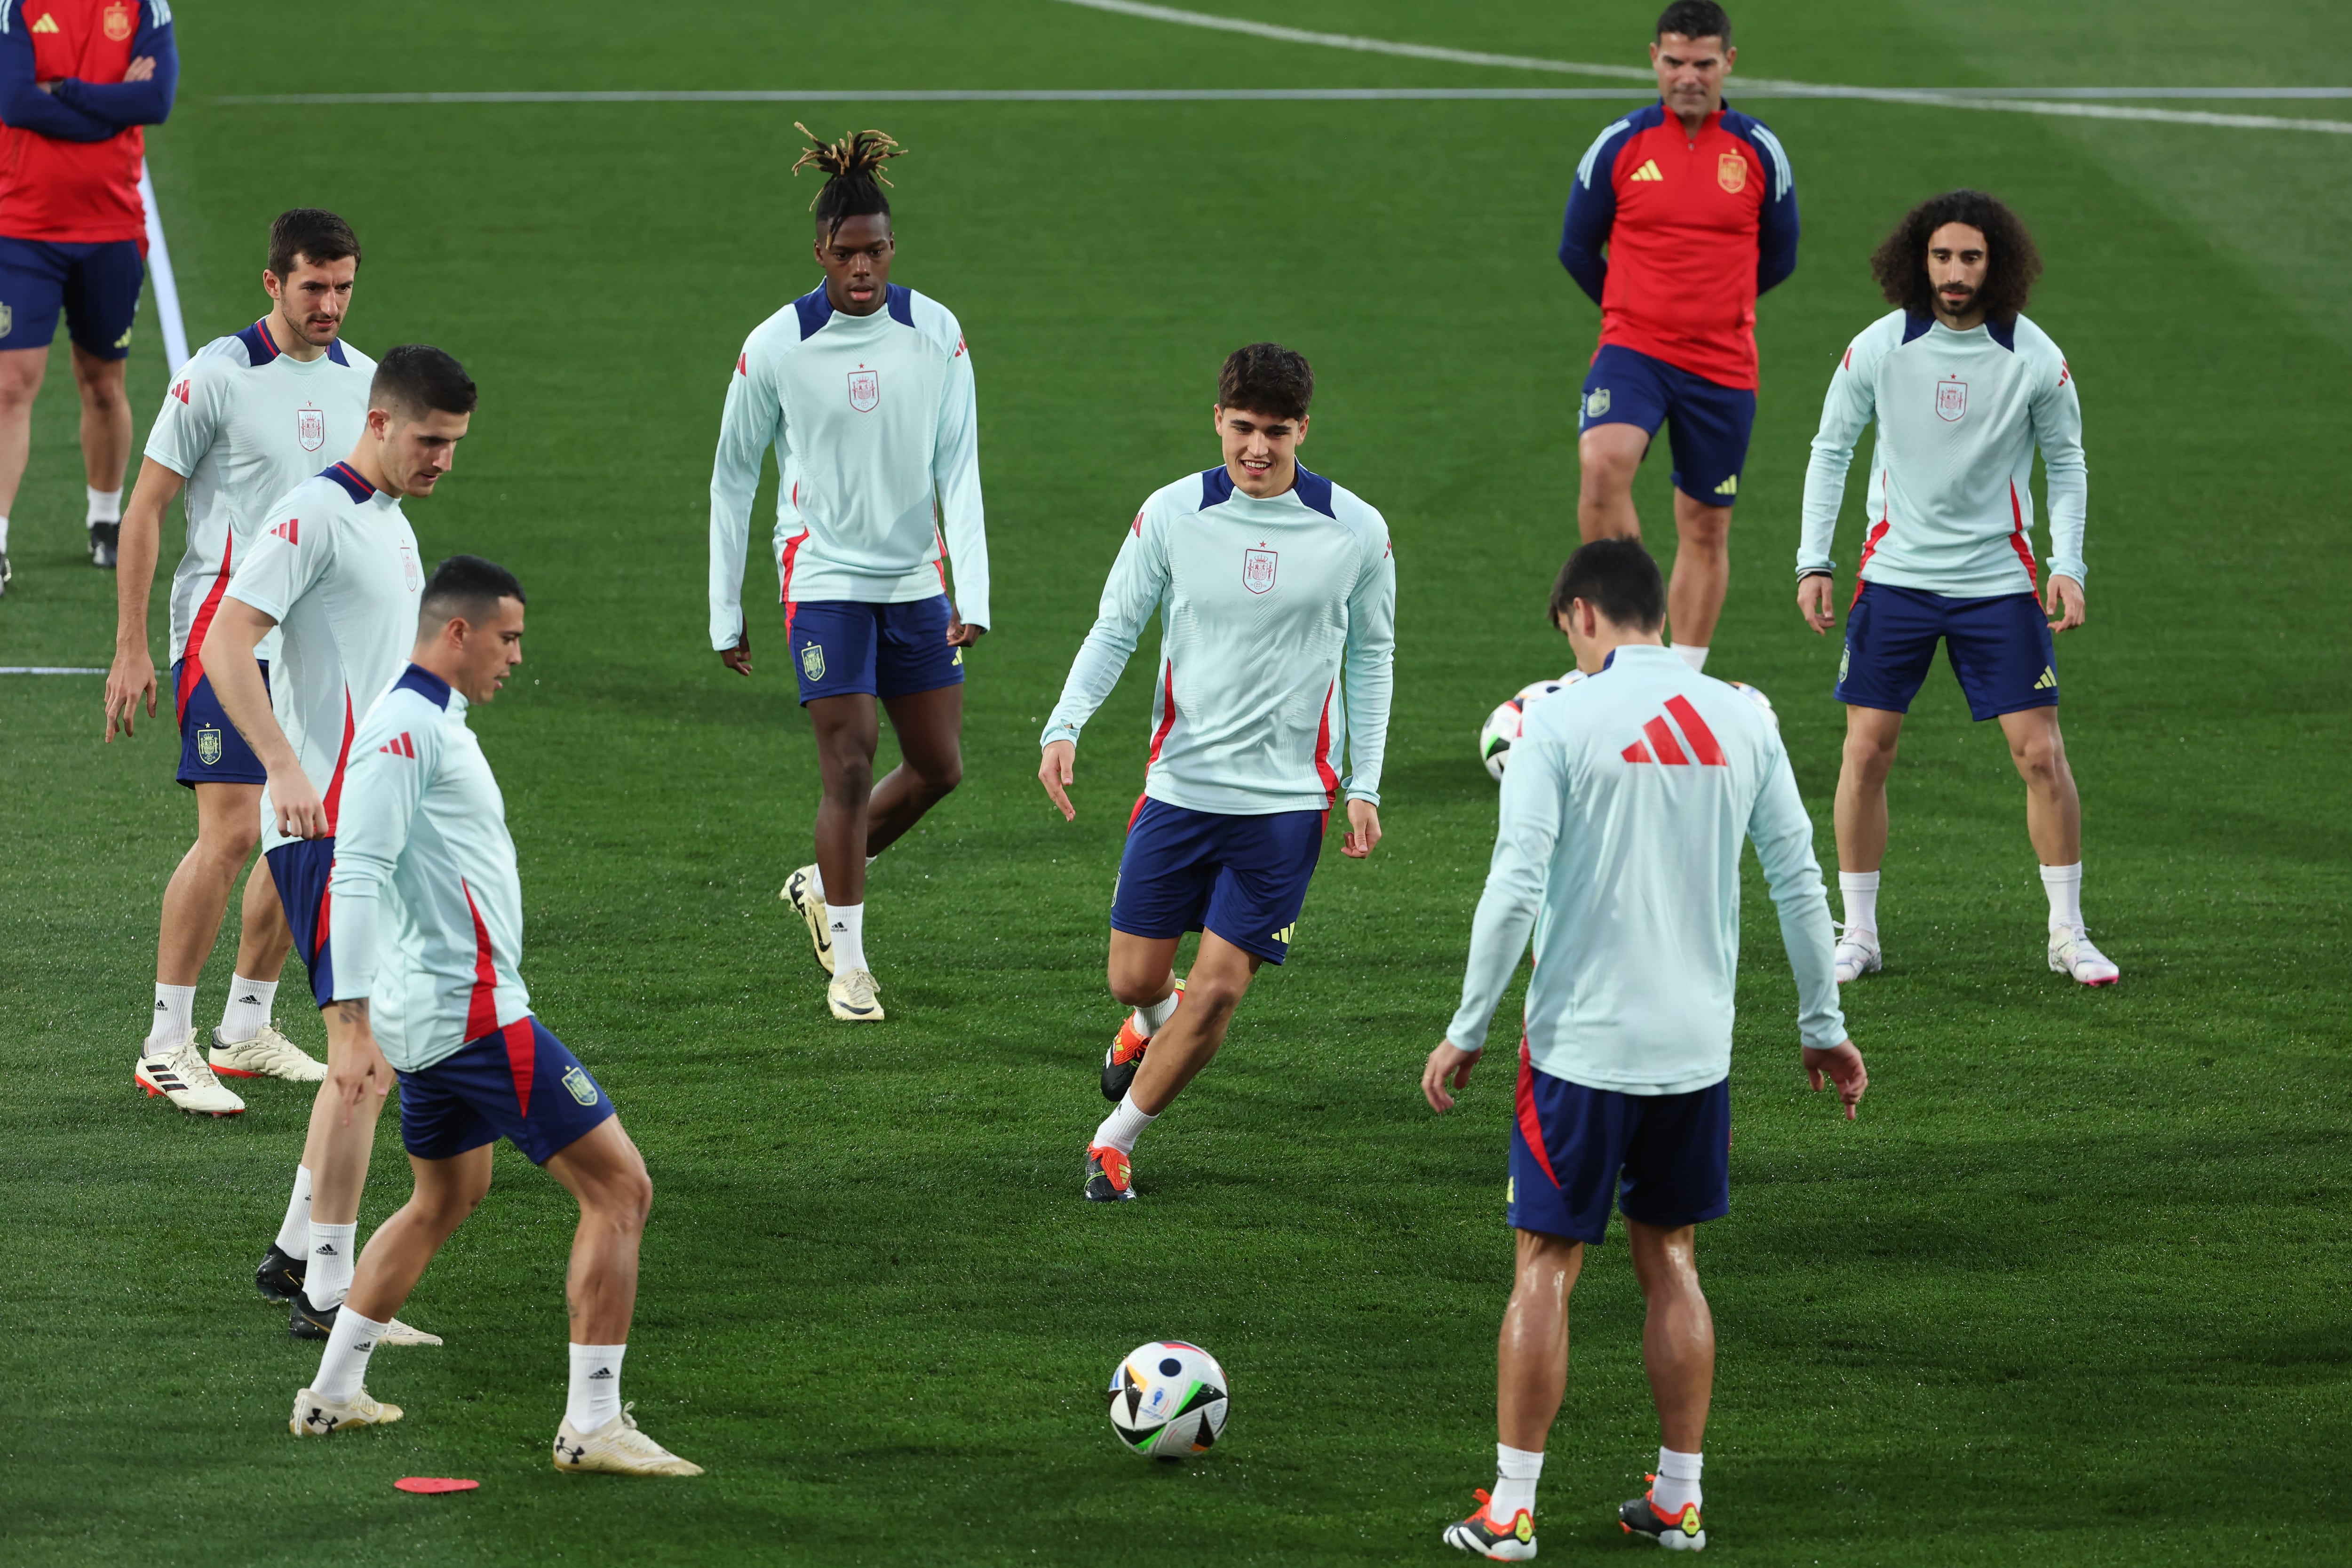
(1302, 431)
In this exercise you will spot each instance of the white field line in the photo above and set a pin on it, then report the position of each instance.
(159, 271)
(47, 669)
(1762, 87)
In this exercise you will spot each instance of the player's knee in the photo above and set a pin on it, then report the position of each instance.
(1213, 996)
(1870, 757)
(1706, 528)
(18, 388)
(942, 776)
(229, 841)
(2042, 761)
(629, 1198)
(101, 391)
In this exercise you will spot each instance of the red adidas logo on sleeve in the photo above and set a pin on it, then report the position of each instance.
(1662, 745)
(290, 531)
(400, 746)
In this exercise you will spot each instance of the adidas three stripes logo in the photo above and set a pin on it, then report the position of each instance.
(1662, 745)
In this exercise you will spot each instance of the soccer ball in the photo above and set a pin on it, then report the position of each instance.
(1501, 730)
(1758, 698)
(1168, 1399)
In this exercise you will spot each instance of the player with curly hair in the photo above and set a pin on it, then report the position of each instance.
(1963, 388)
(864, 388)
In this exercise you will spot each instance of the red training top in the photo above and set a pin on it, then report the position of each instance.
(69, 157)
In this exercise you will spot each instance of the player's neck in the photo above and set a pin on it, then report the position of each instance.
(1279, 481)
(1967, 324)
(1693, 123)
(290, 340)
(367, 461)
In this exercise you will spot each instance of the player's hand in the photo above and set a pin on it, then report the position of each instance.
(2061, 597)
(133, 675)
(51, 87)
(1447, 1061)
(960, 632)
(355, 1063)
(1814, 595)
(300, 812)
(1841, 1065)
(141, 70)
(1363, 829)
(1055, 770)
(739, 658)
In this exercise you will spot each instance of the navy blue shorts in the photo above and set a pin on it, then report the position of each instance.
(844, 645)
(520, 1083)
(1665, 1158)
(1710, 421)
(97, 285)
(301, 870)
(211, 750)
(1244, 878)
(2000, 647)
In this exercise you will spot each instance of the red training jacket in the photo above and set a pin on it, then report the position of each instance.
(69, 157)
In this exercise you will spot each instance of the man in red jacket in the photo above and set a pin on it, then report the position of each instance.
(78, 79)
(1698, 210)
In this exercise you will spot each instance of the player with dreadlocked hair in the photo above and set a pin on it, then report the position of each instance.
(865, 391)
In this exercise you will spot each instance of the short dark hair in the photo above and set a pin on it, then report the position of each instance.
(1616, 577)
(2011, 263)
(853, 175)
(1694, 19)
(465, 588)
(417, 379)
(1266, 378)
(309, 234)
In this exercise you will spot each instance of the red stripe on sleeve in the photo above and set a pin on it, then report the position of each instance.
(1323, 769)
(2017, 538)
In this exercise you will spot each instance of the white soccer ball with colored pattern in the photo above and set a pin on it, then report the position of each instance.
(1167, 1400)
(1501, 730)
(1758, 698)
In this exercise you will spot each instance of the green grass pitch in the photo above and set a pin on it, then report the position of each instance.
(2072, 1290)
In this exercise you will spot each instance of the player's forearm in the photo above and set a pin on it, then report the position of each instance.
(235, 677)
(351, 935)
(1369, 691)
(1825, 476)
(120, 103)
(730, 533)
(1783, 834)
(967, 541)
(136, 549)
(2069, 482)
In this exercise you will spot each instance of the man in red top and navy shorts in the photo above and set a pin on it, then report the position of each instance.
(1697, 209)
(78, 79)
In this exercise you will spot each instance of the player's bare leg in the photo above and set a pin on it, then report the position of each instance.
(2053, 820)
(228, 825)
(1531, 1354)
(847, 730)
(1870, 735)
(1702, 572)
(105, 422)
(263, 942)
(1143, 974)
(22, 372)
(335, 1152)
(1607, 458)
(929, 725)
(1678, 1353)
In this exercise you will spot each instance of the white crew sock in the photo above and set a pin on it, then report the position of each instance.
(342, 1369)
(176, 1016)
(595, 1394)
(2065, 886)
(1123, 1126)
(248, 1012)
(330, 1277)
(4, 536)
(105, 506)
(1859, 890)
(1150, 1021)
(1517, 1470)
(820, 874)
(848, 923)
(1678, 1482)
(294, 1231)
(1693, 654)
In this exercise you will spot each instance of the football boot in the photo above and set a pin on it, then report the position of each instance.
(267, 1054)
(1111, 1175)
(617, 1448)
(318, 1417)
(280, 1276)
(103, 538)
(309, 1322)
(856, 997)
(1512, 1542)
(2071, 954)
(801, 892)
(1124, 1058)
(1857, 954)
(1675, 1532)
(180, 1076)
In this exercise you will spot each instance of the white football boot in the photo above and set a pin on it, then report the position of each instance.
(267, 1054)
(1857, 954)
(318, 1417)
(2071, 954)
(617, 1448)
(180, 1076)
(856, 997)
(801, 892)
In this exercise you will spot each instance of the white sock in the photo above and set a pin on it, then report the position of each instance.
(105, 506)
(1150, 1021)
(1517, 1470)
(820, 873)
(248, 1011)
(332, 1262)
(176, 1016)
(2065, 886)
(4, 536)
(1693, 653)
(1678, 1482)
(1123, 1126)
(848, 921)
(294, 1231)
(1860, 891)
(343, 1369)
(595, 1395)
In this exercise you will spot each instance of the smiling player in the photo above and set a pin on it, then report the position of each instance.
(1696, 209)
(1276, 597)
(1963, 388)
(865, 390)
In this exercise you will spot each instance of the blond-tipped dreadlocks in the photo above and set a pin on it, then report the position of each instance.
(853, 177)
